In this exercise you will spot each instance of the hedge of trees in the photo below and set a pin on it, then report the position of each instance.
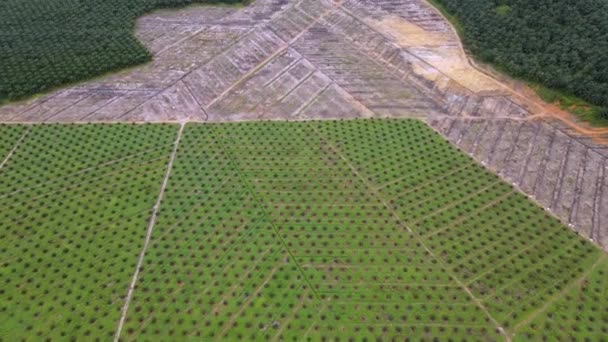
(47, 43)
(561, 44)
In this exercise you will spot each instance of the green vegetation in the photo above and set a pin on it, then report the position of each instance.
(364, 229)
(594, 115)
(9, 135)
(559, 45)
(503, 9)
(575, 313)
(48, 43)
(74, 206)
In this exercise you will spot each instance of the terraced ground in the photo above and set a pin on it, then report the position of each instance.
(335, 230)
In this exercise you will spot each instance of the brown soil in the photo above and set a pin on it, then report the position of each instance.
(538, 107)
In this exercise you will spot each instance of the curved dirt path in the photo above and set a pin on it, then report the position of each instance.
(538, 107)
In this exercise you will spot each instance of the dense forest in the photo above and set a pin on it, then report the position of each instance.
(47, 43)
(560, 44)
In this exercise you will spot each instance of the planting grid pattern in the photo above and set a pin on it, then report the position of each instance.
(74, 202)
(333, 59)
(336, 230)
(567, 176)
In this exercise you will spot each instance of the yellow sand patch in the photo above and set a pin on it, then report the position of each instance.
(409, 34)
(437, 50)
(451, 62)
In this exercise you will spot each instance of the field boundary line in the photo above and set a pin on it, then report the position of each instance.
(596, 229)
(491, 155)
(450, 185)
(469, 215)
(560, 294)
(489, 270)
(431, 180)
(298, 113)
(432, 149)
(455, 203)
(542, 166)
(578, 188)
(532, 145)
(205, 289)
(265, 214)
(187, 87)
(123, 93)
(539, 263)
(161, 193)
(476, 301)
(426, 303)
(74, 186)
(58, 180)
(52, 115)
(296, 86)
(450, 205)
(557, 191)
(98, 198)
(283, 71)
(205, 64)
(516, 140)
(15, 147)
(281, 49)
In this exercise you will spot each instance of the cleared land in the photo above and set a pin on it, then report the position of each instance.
(281, 231)
(560, 45)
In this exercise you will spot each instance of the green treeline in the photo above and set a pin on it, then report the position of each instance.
(48, 43)
(560, 44)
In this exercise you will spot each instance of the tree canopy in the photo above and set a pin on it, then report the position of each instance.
(560, 44)
(48, 43)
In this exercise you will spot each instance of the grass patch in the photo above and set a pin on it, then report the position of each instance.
(503, 9)
(585, 111)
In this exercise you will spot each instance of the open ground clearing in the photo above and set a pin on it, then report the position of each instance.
(557, 44)
(360, 229)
